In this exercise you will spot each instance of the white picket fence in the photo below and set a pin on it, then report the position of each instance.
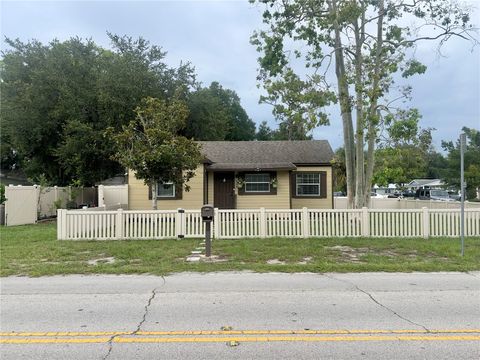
(262, 223)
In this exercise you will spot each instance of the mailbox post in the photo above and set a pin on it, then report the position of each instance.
(207, 213)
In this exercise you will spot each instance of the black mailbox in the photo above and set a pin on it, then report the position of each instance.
(207, 213)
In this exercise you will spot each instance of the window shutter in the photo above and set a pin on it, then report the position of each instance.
(293, 183)
(149, 192)
(323, 184)
(178, 192)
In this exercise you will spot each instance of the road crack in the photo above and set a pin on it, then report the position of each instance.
(139, 326)
(378, 302)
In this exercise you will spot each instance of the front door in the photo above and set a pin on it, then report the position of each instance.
(224, 190)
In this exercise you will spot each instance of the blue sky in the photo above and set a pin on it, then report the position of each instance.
(214, 36)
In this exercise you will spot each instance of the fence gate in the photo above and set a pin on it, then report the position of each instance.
(21, 205)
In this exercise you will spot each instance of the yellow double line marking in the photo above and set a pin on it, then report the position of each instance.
(241, 332)
(209, 336)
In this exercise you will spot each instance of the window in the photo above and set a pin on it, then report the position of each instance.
(308, 184)
(166, 190)
(257, 183)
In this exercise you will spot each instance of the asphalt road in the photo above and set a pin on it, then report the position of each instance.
(242, 316)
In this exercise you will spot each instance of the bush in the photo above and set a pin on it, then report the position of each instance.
(2, 194)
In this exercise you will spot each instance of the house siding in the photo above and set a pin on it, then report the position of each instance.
(138, 194)
(279, 201)
(325, 203)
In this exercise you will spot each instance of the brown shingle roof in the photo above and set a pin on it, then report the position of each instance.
(266, 154)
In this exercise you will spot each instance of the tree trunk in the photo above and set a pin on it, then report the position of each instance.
(153, 187)
(373, 116)
(359, 136)
(346, 109)
(372, 134)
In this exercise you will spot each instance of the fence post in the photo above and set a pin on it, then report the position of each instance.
(38, 203)
(305, 223)
(59, 224)
(216, 224)
(119, 224)
(426, 223)
(263, 223)
(365, 222)
(101, 197)
(179, 223)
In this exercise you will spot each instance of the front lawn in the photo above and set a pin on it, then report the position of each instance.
(33, 250)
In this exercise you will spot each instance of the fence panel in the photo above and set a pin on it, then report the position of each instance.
(235, 224)
(83, 225)
(447, 223)
(113, 195)
(148, 224)
(284, 223)
(396, 223)
(330, 223)
(194, 226)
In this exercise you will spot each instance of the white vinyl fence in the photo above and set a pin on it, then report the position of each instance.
(113, 195)
(407, 203)
(262, 223)
(27, 204)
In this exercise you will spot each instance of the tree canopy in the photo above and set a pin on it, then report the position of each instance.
(451, 173)
(216, 114)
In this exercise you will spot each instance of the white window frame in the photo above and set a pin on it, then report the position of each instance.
(257, 182)
(297, 183)
(166, 196)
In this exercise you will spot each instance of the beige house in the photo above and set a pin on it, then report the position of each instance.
(249, 175)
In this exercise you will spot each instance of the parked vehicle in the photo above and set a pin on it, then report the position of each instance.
(408, 193)
(377, 195)
(432, 194)
(455, 195)
(338, 193)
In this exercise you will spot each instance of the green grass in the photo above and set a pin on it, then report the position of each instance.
(34, 251)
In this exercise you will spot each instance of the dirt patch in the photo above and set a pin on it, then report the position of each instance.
(349, 254)
(203, 258)
(105, 260)
(305, 260)
(354, 255)
(275, 262)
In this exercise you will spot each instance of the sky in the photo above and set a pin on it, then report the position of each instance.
(214, 37)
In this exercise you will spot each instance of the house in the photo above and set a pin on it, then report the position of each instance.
(248, 175)
(426, 184)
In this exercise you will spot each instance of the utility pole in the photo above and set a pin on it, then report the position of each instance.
(463, 140)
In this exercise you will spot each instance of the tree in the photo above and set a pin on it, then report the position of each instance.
(58, 98)
(151, 147)
(284, 131)
(451, 173)
(369, 44)
(297, 104)
(404, 151)
(216, 114)
(208, 118)
(264, 133)
(240, 126)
